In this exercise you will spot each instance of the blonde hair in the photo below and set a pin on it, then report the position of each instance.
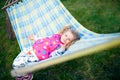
(67, 28)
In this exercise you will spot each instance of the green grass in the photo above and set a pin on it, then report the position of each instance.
(100, 16)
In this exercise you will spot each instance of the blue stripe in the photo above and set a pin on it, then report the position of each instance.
(43, 7)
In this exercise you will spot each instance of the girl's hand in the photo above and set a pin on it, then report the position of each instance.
(29, 52)
(31, 37)
(63, 46)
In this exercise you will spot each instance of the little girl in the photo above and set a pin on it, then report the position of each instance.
(43, 49)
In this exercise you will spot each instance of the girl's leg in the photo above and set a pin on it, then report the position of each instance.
(25, 59)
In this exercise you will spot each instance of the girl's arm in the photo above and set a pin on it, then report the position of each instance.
(58, 52)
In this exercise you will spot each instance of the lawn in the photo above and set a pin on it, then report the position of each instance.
(101, 16)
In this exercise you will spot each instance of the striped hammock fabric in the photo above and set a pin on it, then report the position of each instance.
(46, 17)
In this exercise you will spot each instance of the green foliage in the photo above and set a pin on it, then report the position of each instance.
(101, 16)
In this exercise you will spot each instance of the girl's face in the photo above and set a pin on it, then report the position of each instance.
(67, 37)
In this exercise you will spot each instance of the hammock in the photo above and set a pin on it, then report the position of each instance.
(46, 17)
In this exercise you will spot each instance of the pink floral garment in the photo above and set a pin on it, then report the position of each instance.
(44, 47)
